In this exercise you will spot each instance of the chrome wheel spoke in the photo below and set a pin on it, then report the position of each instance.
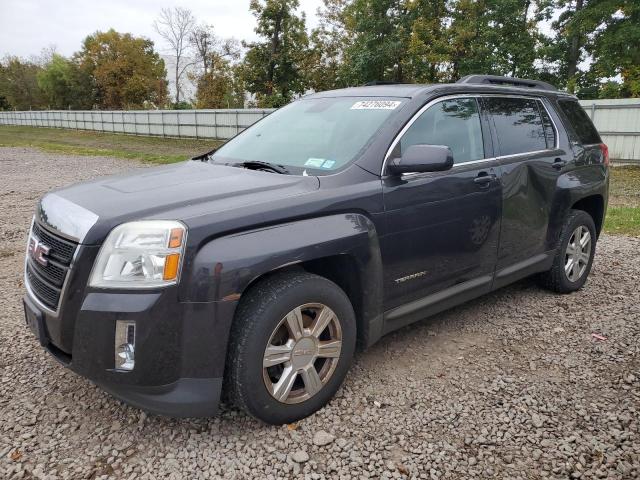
(575, 271)
(578, 253)
(585, 239)
(295, 324)
(282, 388)
(329, 349)
(276, 354)
(307, 333)
(311, 379)
(322, 321)
(568, 267)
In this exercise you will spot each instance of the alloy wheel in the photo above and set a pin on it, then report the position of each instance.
(302, 353)
(578, 253)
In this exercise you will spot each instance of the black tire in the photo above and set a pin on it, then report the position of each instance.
(260, 311)
(556, 279)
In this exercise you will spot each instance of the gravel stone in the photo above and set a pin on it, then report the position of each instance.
(486, 390)
(300, 456)
(322, 438)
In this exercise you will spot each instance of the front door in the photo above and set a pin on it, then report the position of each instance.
(442, 227)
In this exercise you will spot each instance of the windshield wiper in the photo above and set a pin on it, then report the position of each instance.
(257, 165)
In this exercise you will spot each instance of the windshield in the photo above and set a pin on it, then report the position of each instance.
(316, 135)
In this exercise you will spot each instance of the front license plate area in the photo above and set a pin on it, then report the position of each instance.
(35, 322)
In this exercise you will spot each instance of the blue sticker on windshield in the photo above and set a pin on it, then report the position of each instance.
(328, 163)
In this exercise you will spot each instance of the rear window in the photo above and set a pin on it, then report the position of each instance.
(580, 122)
(549, 131)
(518, 124)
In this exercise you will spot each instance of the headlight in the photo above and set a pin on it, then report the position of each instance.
(142, 254)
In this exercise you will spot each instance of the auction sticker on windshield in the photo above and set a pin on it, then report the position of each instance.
(375, 105)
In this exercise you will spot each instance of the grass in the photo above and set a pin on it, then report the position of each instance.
(623, 215)
(78, 142)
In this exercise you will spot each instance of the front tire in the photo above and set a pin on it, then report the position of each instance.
(291, 346)
(574, 254)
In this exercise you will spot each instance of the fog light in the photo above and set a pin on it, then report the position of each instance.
(125, 345)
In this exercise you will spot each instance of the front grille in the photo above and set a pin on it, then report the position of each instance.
(61, 248)
(46, 281)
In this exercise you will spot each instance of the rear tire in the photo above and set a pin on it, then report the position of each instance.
(575, 250)
(291, 345)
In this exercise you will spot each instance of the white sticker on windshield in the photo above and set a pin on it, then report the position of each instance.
(314, 162)
(375, 105)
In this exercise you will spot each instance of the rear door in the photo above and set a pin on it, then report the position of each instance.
(442, 227)
(526, 140)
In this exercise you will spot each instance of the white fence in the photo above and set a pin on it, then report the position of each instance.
(617, 120)
(218, 124)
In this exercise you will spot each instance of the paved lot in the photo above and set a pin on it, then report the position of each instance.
(512, 385)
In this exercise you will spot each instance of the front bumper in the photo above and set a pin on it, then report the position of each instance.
(179, 354)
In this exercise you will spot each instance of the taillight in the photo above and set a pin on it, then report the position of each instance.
(605, 154)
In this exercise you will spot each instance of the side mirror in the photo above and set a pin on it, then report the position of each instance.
(422, 158)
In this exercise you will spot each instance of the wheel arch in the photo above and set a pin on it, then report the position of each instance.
(342, 248)
(593, 205)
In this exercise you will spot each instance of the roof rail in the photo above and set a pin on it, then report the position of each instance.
(514, 82)
(381, 82)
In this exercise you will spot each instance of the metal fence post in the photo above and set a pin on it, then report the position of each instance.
(195, 116)
(162, 121)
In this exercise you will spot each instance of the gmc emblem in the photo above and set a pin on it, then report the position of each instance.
(38, 251)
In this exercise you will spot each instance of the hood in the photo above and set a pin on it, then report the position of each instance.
(148, 192)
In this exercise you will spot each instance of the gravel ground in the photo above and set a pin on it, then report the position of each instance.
(513, 385)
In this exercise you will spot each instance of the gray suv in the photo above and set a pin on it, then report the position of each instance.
(254, 270)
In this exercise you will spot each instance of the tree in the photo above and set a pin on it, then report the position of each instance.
(126, 70)
(65, 85)
(272, 67)
(614, 46)
(380, 30)
(215, 71)
(323, 67)
(176, 25)
(19, 84)
(218, 88)
(428, 45)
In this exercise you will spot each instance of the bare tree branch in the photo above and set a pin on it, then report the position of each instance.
(175, 25)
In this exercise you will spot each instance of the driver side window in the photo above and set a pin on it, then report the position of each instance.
(454, 123)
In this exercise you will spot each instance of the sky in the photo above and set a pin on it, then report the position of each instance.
(28, 26)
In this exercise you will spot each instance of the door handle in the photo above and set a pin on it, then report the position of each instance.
(484, 179)
(559, 164)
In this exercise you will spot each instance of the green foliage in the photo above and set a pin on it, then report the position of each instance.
(359, 41)
(181, 105)
(65, 85)
(590, 49)
(220, 86)
(271, 67)
(19, 84)
(127, 71)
